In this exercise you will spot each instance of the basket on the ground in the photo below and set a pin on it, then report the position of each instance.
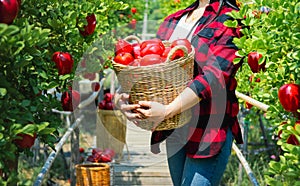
(160, 82)
(111, 131)
(93, 174)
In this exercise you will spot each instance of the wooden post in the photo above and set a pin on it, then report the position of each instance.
(245, 165)
(53, 155)
(74, 155)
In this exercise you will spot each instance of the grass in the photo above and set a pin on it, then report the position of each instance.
(257, 157)
(258, 164)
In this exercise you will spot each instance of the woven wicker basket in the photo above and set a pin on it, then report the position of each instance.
(112, 131)
(92, 174)
(160, 82)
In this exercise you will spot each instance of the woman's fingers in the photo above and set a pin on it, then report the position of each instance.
(145, 108)
(129, 107)
(124, 96)
(145, 104)
(133, 116)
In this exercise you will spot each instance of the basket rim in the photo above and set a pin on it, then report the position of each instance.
(159, 65)
(92, 166)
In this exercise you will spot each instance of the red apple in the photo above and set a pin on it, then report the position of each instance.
(81, 150)
(109, 106)
(96, 151)
(70, 100)
(136, 50)
(111, 152)
(248, 105)
(124, 58)
(133, 10)
(102, 104)
(90, 27)
(123, 46)
(63, 61)
(151, 59)
(108, 97)
(253, 58)
(26, 140)
(289, 97)
(95, 86)
(8, 11)
(292, 139)
(133, 23)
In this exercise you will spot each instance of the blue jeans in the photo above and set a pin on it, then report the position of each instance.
(195, 172)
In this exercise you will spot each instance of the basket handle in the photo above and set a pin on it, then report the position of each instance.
(174, 49)
(133, 37)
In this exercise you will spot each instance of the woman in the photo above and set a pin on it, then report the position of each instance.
(199, 151)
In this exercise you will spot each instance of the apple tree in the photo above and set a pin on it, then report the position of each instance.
(41, 44)
(269, 52)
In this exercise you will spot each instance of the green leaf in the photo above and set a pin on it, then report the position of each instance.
(51, 85)
(236, 60)
(20, 45)
(25, 103)
(296, 55)
(3, 92)
(276, 166)
(43, 74)
(28, 116)
(3, 27)
(235, 15)
(29, 129)
(42, 126)
(28, 57)
(47, 131)
(33, 108)
(266, 95)
(9, 30)
(64, 77)
(35, 52)
(231, 24)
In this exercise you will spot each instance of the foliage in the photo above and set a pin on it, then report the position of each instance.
(274, 33)
(28, 73)
(167, 7)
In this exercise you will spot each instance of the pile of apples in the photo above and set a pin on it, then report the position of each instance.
(107, 102)
(148, 52)
(98, 155)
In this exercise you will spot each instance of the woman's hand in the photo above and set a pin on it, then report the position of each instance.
(121, 101)
(152, 111)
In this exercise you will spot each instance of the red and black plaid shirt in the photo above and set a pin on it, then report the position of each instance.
(213, 81)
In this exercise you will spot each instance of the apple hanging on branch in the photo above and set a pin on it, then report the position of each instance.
(70, 100)
(253, 62)
(289, 97)
(133, 10)
(8, 10)
(64, 62)
(25, 140)
(88, 29)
